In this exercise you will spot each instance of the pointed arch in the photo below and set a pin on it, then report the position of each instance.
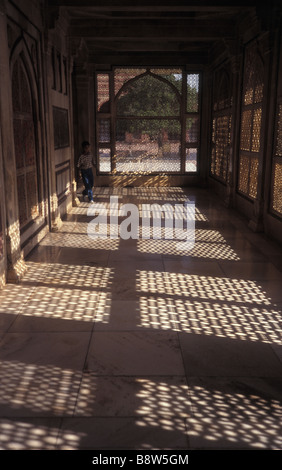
(25, 117)
(146, 95)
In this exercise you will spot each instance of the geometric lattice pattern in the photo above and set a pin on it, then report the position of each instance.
(104, 155)
(192, 122)
(248, 175)
(221, 146)
(221, 128)
(243, 174)
(148, 124)
(277, 166)
(25, 151)
(253, 178)
(154, 145)
(246, 130)
(148, 96)
(251, 120)
(123, 75)
(192, 93)
(278, 147)
(103, 95)
(256, 129)
(277, 186)
(104, 131)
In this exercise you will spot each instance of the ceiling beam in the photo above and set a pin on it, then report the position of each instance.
(150, 58)
(186, 30)
(157, 5)
(142, 45)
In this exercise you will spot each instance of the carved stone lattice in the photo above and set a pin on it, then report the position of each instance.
(251, 121)
(277, 166)
(222, 121)
(103, 92)
(141, 120)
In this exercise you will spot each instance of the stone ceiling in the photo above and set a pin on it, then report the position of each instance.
(161, 32)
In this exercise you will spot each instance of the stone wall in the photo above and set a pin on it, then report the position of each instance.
(36, 155)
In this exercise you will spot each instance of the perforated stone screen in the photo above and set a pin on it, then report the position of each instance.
(148, 120)
(251, 121)
(277, 166)
(221, 126)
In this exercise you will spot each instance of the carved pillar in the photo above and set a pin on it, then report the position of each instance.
(235, 62)
(75, 200)
(2, 221)
(256, 222)
(15, 263)
(81, 111)
(55, 219)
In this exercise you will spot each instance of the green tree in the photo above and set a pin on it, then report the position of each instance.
(148, 96)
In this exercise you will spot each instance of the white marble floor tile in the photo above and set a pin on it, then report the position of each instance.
(33, 390)
(149, 397)
(29, 433)
(251, 270)
(63, 350)
(52, 305)
(122, 433)
(208, 355)
(134, 353)
(116, 315)
(115, 344)
(235, 413)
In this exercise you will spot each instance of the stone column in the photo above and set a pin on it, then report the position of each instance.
(256, 222)
(75, 200)
(15, 262)
(55, 219)
(2, 221)
(235, 62)
(81, 111)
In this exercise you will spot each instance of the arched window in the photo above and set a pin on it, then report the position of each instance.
(148, 130)
(25, 145)
(147, 120)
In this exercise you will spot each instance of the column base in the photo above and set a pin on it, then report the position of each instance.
(56, 224)
(256, 225)
(16, 272)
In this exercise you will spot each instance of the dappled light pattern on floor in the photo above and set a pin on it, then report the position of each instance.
(198, 250)
(39, 389)
(230, 308)
(108, 343)
(238, 414)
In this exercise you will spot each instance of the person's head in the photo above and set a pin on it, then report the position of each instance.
(85, 145)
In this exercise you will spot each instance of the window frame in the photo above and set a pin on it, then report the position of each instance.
(111, 115)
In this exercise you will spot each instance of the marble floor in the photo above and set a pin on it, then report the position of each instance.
(110, 343)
